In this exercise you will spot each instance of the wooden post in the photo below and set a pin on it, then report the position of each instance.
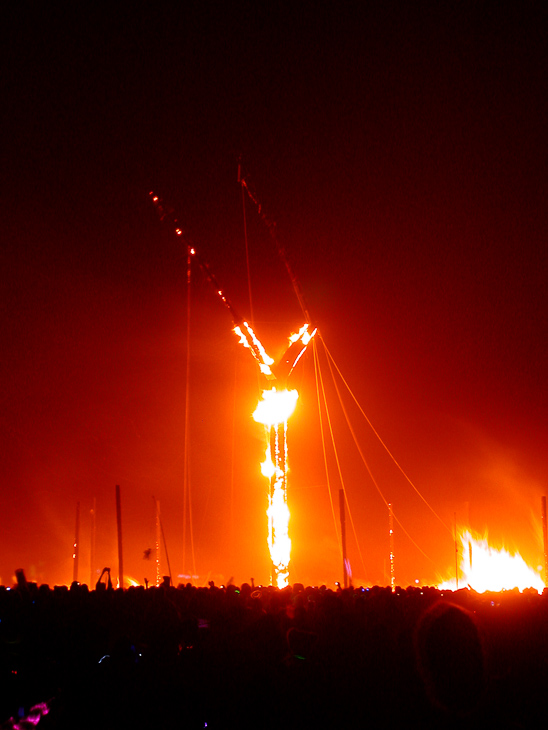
(545, 543)
(456, 555)
(343, 536)
(391, 530)
(119, 526)
(76, 549)
(158, 542)
(92, 571)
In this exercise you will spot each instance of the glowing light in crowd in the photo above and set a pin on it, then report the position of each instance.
(485, 568)
(32, 719)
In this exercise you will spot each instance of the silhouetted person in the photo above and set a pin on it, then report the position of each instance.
(21, 579)
(450, 658)
(100, 586)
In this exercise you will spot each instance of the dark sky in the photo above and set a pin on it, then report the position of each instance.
(401, 150)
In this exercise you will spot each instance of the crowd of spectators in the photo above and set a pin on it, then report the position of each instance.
(261, 657)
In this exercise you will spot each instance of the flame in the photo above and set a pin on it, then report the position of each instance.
(273, 411)
(485, 568)
(267, 467)
(303, 334)
(276, 406)
(249, 339)
(278, 540)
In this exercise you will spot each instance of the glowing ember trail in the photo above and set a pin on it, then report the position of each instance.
(484, 568)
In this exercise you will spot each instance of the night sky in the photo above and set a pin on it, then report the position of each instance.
(401, 150)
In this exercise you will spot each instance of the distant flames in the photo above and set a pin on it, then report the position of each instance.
(485, 568)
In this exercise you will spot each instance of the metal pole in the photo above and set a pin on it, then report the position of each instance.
(391, 528)
(119, 526)
(343, 536)
(545, 537)
(158, 541)
(92, 573)
(76, 547)
(456, 555)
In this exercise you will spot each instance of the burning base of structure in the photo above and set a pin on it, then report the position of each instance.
(273, 412)
(485, 568)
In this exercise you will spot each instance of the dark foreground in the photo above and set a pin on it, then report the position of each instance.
(301, 657)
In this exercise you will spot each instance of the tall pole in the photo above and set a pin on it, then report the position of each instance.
(119, 529)
(545, 538)
(92, 573)
(391, 529)
(186, 448)
(158, 542)
(343, 536)
(456, 554)
(76, 547)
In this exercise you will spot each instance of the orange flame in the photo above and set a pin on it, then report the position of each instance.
(273, 411)
(279, 541)
(485, 568)
(276, 406)
(249, 339)
(303, 334)
(267, 467)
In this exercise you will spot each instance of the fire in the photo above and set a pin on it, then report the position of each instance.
(267, 467)
(303, 335)
(279, 541)
(249, 339)
(273, 411)
(485, 568)
(276, 406)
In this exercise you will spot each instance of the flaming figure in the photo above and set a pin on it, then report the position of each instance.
(273, 411)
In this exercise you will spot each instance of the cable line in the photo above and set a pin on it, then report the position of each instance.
(318, 376)
(331, 360)
(339, 469)
(353, 434)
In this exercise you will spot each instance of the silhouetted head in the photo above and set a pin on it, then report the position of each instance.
(450, 658)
